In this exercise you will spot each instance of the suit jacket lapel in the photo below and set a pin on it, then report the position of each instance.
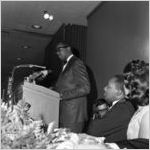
(120, 101)
(69, 64)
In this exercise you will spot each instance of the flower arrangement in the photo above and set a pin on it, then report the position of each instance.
(20, 131)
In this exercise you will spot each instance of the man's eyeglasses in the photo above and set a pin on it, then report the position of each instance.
(60, 48)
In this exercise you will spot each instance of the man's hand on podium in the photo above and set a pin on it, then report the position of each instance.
(60, 94)
(44, 73)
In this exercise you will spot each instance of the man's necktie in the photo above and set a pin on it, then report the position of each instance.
(64, 62)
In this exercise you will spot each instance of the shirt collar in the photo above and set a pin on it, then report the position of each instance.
(69, 57)
(115, 102)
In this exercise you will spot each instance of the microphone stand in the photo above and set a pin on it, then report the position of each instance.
(10, 86)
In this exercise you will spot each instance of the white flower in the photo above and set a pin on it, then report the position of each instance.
(66, 145)
(74, 138)
(50, 128)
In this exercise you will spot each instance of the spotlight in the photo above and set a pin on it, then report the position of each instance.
(51, 17)
(47, 16)
(35, 26)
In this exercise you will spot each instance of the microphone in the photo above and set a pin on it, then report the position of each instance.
(30, 66)
(42, 67)
(26, 66)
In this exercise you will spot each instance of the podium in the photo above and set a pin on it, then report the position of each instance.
(44, 102)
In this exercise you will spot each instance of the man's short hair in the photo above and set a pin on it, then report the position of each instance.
(64, 44)
(119, 79)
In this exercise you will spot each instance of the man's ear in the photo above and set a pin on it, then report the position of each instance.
(69, 49)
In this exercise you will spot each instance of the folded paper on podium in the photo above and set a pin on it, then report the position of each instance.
(44, 102)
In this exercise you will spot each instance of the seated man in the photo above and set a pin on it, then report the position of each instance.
(113, 126)
(100, 109)
(137, 84)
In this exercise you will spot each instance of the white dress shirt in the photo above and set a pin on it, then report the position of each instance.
(113, 103)
(67, 62)
(135, 122)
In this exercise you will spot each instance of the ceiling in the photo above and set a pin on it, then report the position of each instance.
(22, 44)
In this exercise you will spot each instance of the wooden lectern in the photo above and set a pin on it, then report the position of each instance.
(44, 102)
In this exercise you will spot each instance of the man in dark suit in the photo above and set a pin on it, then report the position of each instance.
(73, 86)
(113, 126)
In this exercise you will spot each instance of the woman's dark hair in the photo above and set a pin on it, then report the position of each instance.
(136, 66)
(137, 81)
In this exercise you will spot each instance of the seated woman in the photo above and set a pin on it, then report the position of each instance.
(137, 83)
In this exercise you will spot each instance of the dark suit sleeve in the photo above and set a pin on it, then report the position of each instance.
(134, 144)
(82, 85)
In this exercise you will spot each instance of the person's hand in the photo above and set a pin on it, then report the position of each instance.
(60, 94)
(44, 73)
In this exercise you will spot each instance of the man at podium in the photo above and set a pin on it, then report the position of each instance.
(73, 86)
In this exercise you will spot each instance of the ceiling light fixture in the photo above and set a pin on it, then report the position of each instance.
(25, 46)
(36, 26)
(19, 58)
(48, 16)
